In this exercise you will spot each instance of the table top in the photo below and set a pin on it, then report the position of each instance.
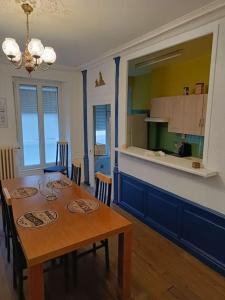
(71, 231)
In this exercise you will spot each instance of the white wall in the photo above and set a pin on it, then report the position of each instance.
(207, 192)
(71, 106)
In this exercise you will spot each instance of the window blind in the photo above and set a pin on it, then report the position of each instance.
(50, 100)
(101, 117)
(28, 99)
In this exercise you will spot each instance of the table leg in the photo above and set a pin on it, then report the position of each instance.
(35, 283)
(124, 264)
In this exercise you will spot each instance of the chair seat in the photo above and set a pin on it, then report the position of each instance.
(55, 169)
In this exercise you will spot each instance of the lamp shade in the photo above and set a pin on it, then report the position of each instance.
(10, 48)
(49, 55)
(35, 48)
(17, 58)
(37, 61)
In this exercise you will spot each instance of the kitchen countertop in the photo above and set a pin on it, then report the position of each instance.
(179, 163)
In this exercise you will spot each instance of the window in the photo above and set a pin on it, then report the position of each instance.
(38, 122)
(167, 98)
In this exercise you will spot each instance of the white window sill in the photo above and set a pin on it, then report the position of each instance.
(179, 163)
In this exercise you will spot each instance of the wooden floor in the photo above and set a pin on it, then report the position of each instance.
(160, 270)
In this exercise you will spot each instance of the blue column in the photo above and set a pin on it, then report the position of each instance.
(116, 169)
(86, 159)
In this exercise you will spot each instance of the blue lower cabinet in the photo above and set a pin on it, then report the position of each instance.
(204, 232)
(132, 196)
(197, 229)
(162, 212)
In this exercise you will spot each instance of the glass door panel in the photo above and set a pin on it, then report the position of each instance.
(102, 137)
(29, 124)
(51, 122)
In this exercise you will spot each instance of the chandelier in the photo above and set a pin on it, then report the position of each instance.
(35, 55)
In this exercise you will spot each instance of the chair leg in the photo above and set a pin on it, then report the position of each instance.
(4, 223)
(3, 218)
(53, 263)
(107, 254)
(94, 248)
(6, 233)
(66, 272)
(8, 248)
(20, 275)
(75, 266)
(14, 279)
(14, 273)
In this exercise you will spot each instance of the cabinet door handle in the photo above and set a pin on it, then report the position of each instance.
(200, 122)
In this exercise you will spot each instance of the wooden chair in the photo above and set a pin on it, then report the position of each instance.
(6, 225)
(103, 193)
(103, 190)
(19, 260)
(61, 164)
(76, 172)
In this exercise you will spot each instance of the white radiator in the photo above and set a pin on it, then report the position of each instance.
(7, 163)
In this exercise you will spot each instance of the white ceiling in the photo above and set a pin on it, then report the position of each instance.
(81, 30)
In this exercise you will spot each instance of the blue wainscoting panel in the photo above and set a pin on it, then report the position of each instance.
(132, 196)
(199, 230)
(204, 232)
(162, 212)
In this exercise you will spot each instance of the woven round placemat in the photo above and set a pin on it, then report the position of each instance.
(24, 192)
(83, 206)
(59, 184)
(35, 219)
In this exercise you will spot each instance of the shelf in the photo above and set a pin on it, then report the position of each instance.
(179, 163)
(156, 120)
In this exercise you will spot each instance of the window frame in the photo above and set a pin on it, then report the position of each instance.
(212, 28)
(39, 84)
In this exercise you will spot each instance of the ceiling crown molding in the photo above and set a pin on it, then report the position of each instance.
(212, 11)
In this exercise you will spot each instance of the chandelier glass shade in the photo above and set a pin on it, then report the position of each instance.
(35, 55)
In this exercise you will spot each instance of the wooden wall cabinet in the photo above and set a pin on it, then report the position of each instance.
(176, 115)
(193, 110)
(160, 107)
(185, 114)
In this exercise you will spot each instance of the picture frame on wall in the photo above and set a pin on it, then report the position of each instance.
(3, 113)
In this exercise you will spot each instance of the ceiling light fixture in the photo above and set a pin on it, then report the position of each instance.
(35, 55)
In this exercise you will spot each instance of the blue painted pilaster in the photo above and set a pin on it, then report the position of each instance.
(86, 159)
(116, 169)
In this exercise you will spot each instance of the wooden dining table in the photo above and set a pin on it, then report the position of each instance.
(71, 231)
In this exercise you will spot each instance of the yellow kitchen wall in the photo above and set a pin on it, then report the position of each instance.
(169, 80)
(140, 86)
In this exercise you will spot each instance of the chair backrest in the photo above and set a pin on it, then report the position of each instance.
(62, 154)
(76, 171)
(2, 197)
(103, 188)
(9, 219)
(12, 225)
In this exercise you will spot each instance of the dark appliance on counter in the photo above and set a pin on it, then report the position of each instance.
(184, 149)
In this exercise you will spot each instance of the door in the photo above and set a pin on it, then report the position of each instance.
(193, 108)
(102, 138)
(176, 119)
(205, 99)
